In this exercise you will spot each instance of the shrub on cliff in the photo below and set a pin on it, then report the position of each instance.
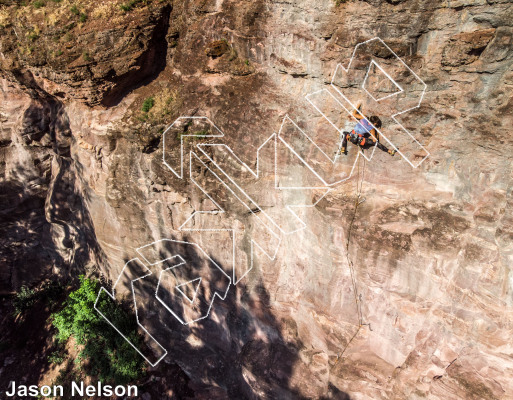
(129, 6)
(103, 351)
(148, 104)
(161, 107)
(38, 4)
(26, 298)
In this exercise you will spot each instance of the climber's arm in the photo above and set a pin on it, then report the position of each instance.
(356, 113)
(374, 135)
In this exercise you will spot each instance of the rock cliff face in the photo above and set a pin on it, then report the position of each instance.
(402, 292)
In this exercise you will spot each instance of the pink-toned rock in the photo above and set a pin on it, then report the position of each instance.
(419, 306)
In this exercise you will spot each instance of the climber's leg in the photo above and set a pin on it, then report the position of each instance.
(343, 149)
(384, 148)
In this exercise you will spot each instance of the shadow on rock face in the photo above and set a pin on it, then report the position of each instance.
(27, 251)
(45, 227)
(237, 352)
(35, 246)
(147, 67)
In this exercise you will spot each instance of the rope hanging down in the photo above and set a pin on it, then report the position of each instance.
(358, 193)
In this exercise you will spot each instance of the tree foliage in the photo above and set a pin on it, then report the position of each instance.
(26, 298)
(103, 351)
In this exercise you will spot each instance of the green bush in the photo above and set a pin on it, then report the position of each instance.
(24, 300)
(38, 4)
(74, 10)
(82, 17)
(49, 291)
(86, 56)
(148, 104)
(103, 351)
(130, 5)
(57, 357)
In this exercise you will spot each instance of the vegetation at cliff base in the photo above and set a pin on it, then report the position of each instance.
(26, 298)
(102, 351)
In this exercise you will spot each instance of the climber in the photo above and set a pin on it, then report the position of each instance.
(364, 134)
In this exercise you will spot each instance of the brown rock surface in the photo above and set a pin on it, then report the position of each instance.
(421, 306)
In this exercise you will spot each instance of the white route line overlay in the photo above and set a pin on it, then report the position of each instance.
(393, 94)
(387, 75)
(183, 262)
(113, 297)
(220, 211)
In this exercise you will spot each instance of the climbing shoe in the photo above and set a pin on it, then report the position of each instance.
(391, 152)
(343, 150)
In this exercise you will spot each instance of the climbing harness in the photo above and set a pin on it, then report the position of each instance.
(356, 138)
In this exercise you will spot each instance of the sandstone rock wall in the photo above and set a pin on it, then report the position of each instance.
(420, 306)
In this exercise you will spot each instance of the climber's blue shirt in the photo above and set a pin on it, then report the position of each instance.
(363, 127)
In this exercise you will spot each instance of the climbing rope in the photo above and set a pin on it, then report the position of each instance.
(357, 202)
(358, 194)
